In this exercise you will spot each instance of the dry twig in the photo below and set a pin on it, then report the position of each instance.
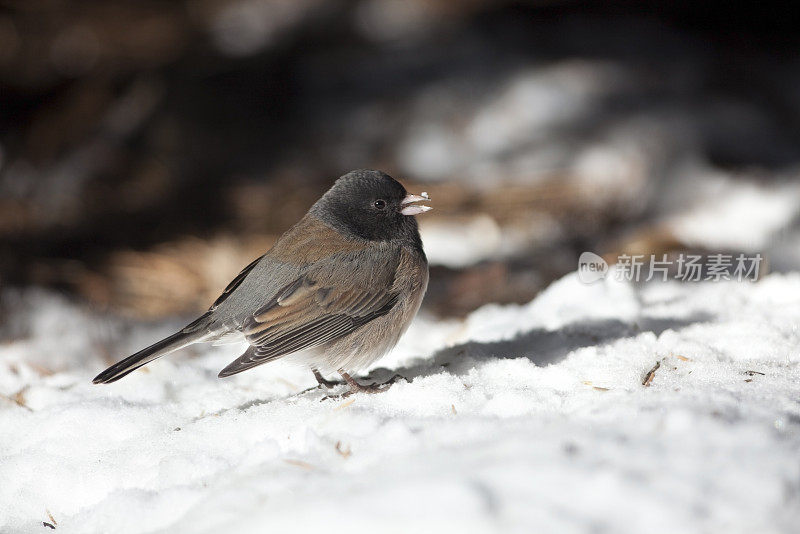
(344, 453)
(300, 463)
(648, 378)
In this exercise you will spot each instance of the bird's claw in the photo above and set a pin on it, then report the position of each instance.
(356, 387)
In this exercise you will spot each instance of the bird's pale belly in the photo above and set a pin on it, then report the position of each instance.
(366, 345)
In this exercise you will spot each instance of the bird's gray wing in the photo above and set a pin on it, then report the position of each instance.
(309, 312)
(236, 282)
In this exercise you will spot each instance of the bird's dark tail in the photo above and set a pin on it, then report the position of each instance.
(191, 334)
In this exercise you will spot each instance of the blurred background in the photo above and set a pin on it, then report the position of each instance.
(149, 150)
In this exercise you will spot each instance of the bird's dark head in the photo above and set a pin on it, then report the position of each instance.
(370, 205)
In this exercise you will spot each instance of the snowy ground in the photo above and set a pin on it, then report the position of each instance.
(519, 419)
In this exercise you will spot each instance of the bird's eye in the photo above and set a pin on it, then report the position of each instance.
(379, 204)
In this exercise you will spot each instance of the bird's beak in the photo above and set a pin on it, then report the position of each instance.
(409, 208)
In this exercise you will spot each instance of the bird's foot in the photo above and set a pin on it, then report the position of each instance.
(356, 387)
(323, 382)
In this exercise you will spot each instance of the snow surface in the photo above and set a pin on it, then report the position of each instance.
(519, 419)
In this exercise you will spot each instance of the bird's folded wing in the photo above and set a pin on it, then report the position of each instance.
(305, 314)
(236, 282)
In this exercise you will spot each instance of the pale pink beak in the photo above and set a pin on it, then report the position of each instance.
(414, 209)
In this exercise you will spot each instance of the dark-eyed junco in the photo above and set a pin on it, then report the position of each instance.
(342, 285)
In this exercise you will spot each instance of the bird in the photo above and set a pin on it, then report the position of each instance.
(336, 291)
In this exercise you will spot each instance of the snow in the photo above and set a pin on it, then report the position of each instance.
(527, 418)
(463, 243)
(740, 215)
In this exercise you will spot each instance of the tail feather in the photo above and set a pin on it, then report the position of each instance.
(143, 357)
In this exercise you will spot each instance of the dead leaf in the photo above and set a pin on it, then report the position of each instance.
(19, 396)
(12, 399)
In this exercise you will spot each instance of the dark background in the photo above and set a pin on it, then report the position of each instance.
(149, 150)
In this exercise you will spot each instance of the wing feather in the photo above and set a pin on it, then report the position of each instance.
(236, 282)
(306, 314)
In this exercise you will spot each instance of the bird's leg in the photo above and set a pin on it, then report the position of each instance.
(323, 382)
(355, 387)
